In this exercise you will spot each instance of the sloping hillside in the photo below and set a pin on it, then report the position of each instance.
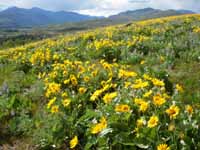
(19, 26)
(121, 87)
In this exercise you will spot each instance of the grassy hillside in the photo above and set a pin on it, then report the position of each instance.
(12, 35)
(124, 87)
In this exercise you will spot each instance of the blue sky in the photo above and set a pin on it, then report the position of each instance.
(102, 7)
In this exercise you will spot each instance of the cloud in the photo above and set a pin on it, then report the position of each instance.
(103, 7)
(51, 4)
(108, 7)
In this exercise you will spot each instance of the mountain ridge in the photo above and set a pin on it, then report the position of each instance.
(15, 17)
(20, 17)
(147, 13)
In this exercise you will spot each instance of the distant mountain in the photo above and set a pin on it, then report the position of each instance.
(18, 17)
(185, 11)
(15, 17)
(146, 13)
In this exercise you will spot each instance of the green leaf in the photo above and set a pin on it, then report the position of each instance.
(89, 114)
(142, 146)
(91, 141)
(106, 131)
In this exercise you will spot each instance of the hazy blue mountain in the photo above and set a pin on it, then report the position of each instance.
(146, 13)
(15, 17)
(20, 17)
(185, 11)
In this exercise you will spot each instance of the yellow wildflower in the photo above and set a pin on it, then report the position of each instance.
(140, 84)
(96, 94)
(173, 111)
(109, 97)
(138, 101)
(65, 72)
(53, 74)
(66, 81)
(196, 30)
(147, 77)
(55, 109)
(106, 87)
(53, 88)
(189, 109)
(99, 126)
(140, 122)
(73, 142)
(94, 73)
(147, 94)
(142, 62)
(82, 90)
(157, 82)
(66, 102)
(126, 74)
(64, 94)
(122, 108)
(55, 57)
(153, 121)
(86, 79)
(73, 80)
(158, 100)
(127, 84)
(51, 102)
(163, 147)
(179, 88)
(144, 106)
(166, 96)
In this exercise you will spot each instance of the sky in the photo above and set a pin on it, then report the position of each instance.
(102, 7)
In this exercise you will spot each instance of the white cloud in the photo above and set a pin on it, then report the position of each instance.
(109, 7)
(103, 7)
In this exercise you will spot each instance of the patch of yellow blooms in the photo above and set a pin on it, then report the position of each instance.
(99, 81)
(99, 126)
